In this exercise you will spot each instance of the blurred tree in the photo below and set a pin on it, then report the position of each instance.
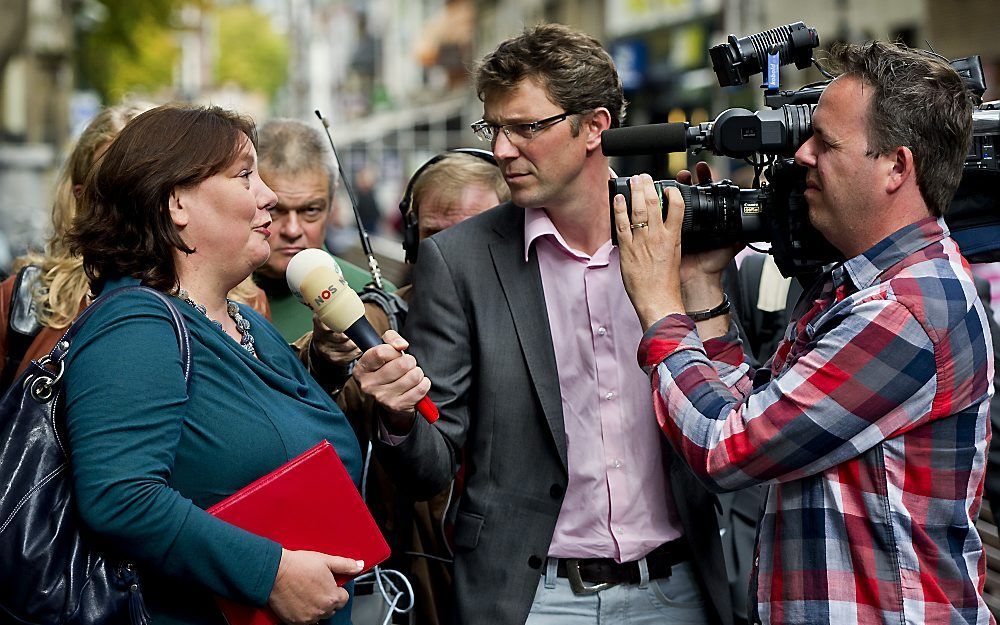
(129, 47)
(133, 46)
(250, 53)
(146, 69)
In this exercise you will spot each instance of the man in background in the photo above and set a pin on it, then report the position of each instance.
(449, 188)
(296, 162)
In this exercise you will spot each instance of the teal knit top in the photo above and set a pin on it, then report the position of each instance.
(149, 456)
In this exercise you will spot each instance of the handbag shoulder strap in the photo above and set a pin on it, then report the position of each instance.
(22, 322)
(61, 349)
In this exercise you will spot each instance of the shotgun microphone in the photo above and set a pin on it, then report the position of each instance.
(651, 139)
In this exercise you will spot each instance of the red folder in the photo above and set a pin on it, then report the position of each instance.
(309, 503)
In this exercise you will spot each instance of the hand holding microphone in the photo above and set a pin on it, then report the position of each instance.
(336, 347)
(315, 280)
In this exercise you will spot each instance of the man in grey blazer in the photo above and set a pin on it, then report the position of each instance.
(574, 508)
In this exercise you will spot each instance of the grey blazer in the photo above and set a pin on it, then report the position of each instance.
(478, 328)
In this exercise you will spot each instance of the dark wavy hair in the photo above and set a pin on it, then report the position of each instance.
(577, 72)
(123, 225)
(918, 101)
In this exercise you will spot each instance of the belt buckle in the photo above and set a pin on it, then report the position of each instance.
(576, 581)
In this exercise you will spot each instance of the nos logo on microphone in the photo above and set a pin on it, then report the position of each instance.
(324, 296)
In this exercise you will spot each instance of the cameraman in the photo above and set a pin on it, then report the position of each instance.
(870, 423)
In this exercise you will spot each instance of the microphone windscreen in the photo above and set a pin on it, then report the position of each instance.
(317, 281)
(649, 139)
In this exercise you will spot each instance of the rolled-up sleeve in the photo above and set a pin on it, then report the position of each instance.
(863, 376)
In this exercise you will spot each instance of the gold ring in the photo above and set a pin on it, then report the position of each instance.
(641, 224)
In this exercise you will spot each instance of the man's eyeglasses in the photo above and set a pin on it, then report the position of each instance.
(527, 131)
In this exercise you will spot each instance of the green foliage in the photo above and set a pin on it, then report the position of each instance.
(129, 47)
(146, 70)
(249, 54)
(134, 47)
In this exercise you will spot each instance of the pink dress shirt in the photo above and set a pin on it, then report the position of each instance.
(618, 503)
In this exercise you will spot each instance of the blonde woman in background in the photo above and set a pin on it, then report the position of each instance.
(48, 291)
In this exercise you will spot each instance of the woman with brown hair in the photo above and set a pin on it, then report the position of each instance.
(48, 291)
(176, 203)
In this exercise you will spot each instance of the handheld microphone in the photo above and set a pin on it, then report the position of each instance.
(316, 281)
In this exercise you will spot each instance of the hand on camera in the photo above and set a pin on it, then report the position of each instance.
(650, 250)
(659, 280)
(701, 272)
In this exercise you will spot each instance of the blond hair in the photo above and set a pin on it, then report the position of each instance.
(63, 283)
(451, 174)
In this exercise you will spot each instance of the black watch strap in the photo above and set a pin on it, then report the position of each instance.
(704, 315)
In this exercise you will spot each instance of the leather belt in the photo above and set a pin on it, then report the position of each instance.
(605, 572)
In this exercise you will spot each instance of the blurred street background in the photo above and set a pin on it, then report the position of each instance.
(391, 75)
(393, 78)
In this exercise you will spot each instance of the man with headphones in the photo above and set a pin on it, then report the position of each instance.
(447, 189)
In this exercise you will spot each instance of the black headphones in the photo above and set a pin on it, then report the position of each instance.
(411, 230)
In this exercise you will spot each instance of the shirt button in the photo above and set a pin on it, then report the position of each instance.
(535, 562)
(618, 464)
(556, 491)
(601, 331)
(609, 395)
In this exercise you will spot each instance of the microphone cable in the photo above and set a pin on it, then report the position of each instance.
(391, 593)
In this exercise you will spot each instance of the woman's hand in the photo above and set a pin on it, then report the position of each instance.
(393, 379)
(305, 590)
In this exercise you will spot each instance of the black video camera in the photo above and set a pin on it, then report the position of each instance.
(720, 213)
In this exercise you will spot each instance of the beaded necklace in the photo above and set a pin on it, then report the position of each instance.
(242, 325)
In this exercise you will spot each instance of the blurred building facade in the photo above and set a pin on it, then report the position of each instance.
(393, 75)
(35, 85)
(418, 99)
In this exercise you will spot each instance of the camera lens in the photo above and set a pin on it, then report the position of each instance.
(715, 215)
(712, 214)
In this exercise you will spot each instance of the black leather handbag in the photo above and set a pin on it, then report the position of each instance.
(49, 574)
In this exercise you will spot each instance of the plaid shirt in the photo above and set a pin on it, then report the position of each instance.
(871, 424)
